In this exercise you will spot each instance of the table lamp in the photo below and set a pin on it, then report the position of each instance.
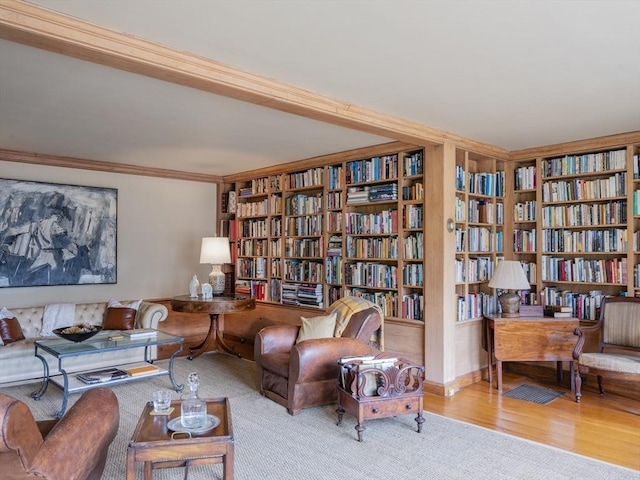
(509, 275)
(215, 250)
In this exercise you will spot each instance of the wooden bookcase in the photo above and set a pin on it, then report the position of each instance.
(479, 231)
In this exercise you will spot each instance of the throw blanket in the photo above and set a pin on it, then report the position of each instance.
(347, 306)
(57, 315)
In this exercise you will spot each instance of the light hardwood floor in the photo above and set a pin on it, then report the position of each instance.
(606, 427)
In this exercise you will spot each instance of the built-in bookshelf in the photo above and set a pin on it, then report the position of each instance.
(479, 219)
(354, 227)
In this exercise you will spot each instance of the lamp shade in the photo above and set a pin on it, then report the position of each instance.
(215, 250)
(509, 275)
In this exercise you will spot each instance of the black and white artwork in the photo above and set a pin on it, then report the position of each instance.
(52, 234)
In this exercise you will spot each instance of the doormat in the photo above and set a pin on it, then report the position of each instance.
(535, 394)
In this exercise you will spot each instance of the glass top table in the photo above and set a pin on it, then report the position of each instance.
(105, 341)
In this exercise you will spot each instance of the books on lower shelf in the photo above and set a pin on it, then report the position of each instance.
(142, 370)
(102, 376)
(558, 311)
(140, 333)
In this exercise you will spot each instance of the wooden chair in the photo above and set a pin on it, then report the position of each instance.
(619, 353)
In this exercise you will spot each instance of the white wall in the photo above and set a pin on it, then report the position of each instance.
(160, 225)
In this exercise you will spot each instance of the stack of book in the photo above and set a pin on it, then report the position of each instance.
(102, 376)
(384, 192)
(357, 195)
(558, 311)
(140, 333)
(310, 295)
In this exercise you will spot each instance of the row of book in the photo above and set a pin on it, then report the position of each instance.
(525, 178)
(313, 177)
(584, 270)
(372, 170)
(375, 275)
(387, 301)
(376, 247)
(585, 214)
(301, 204)
(525, 211)
(610, 240)
(524, 240)
(413, 192)
(586, 163)
(253, 209)
(304, 247)
(581, 190)
(385, 222)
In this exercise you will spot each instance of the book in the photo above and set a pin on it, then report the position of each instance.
(142, 370)
(140, 333)
(102, 376)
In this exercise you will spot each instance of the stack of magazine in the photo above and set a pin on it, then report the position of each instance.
(102, 376)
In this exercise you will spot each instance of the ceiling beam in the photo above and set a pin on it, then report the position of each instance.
(45, 29)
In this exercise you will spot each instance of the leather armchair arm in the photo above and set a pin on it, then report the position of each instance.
(78, 444)
(317, 358)
(276, 339)
(151, 314)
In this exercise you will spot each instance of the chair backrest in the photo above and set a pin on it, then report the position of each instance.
(620, 318)
(18, 430)
(363, 324)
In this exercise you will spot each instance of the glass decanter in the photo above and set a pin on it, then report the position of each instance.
(194, 409)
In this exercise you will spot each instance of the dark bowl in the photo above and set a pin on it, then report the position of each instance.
(88, 332)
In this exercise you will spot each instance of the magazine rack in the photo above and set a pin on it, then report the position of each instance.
(378, 387)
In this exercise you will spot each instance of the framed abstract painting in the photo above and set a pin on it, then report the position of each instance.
(55, 234)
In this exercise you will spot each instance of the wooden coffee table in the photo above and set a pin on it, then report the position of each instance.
(152, 444)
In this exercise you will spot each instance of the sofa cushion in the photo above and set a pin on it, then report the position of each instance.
(119, 318)
(115, 303)
(317, 327)
(10, 331)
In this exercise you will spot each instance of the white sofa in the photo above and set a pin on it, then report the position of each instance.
(18, 362)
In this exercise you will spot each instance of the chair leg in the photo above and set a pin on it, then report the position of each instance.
(600, 387)
(577, 381)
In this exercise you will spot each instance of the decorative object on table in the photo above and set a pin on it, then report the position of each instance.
(78, 333)
(194, 410)
(207, 290)
(193, 287)
(162, 402)
(46, 240)
(509, 275)
(215, 250)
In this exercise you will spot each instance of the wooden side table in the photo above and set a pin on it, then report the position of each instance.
(152, 444)
(216, 307)
(529, 339)
(397, 390)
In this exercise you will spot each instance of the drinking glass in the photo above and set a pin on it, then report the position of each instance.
(162, 401)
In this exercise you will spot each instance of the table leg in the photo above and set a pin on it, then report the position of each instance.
(559, 372)
(489, 353)
(220, 339)
(227, 464)
(131, 466)
(148, 471)
(213, 337)
(499, 374)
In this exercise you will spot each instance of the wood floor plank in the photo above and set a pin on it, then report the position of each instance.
(606, 428)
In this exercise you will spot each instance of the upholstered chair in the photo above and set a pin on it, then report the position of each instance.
(619, 353)
(72, 448)
(305, 374)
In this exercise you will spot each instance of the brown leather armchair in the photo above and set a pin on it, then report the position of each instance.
(303, 375)
(73, 448)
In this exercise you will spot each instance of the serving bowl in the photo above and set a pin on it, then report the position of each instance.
(77, 333)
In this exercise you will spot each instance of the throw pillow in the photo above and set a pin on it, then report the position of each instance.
(317, 327)
(115, 303)
(10, 330)
(119, 318)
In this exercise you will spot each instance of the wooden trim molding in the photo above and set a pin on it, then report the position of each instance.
(38, 27)
(607, 142)
(68, 162)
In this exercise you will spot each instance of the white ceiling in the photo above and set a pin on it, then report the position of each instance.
(513, 74)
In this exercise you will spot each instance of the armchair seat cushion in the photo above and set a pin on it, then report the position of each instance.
(277, 363)
(611, 362)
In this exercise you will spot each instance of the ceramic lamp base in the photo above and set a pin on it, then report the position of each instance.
(510, 305)
(217, 280)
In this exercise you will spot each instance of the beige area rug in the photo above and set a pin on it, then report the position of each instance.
(271, 444)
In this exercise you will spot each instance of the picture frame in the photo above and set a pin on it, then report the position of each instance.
(57, 234)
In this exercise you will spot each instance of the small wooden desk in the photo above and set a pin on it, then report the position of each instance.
(216, 307)
(151, 442)
(529, 339)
